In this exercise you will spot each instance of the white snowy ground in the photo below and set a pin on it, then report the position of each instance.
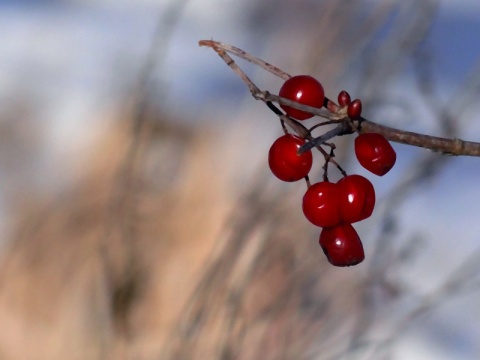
(70, 58)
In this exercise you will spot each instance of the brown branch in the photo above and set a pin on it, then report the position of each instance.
(438, 144)
(442, 145)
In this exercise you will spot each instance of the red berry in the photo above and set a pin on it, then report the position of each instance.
(284, 161)
(342, 245)
(357, 198)
(354, 109)
(375, 153)
(344, 98)
(321, 204)
(305, 90)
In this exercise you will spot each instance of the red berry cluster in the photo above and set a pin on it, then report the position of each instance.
(331, 206)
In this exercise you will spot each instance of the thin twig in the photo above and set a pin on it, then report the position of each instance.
(246, 56)
(438, 144)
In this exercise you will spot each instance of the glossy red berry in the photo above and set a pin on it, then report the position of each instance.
(354, 109)
(342, 245)
(305, 90)
(344, 98)
(321, 204)
(375, 153)
(284, 161)
(357, 198)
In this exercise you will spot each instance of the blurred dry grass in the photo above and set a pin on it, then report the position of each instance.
(74, 286)
(153, 253)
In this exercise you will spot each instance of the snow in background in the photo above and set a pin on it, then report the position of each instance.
(75, 59)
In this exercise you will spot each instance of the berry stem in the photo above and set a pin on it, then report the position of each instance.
(343, 172)
(307, 180)
(294, 124)
(325, 171)
(273, 108)
(330, 105)
(279, 113)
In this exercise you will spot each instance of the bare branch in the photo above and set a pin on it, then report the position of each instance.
(438, 144)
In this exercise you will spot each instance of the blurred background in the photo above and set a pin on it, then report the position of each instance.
(140, 219)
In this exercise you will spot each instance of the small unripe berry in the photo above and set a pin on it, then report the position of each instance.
(354, 109)
(344, 98)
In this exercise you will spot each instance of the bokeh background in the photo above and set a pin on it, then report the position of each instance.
(140, 219)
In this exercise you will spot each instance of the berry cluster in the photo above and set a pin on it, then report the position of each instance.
(332, 206)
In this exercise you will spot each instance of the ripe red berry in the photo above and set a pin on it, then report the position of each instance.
(357, 198)
(284, 161)
(375, 153)
(354, 109)
(321, 204)
(342, 245)
(344, 98)
(305, 90)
